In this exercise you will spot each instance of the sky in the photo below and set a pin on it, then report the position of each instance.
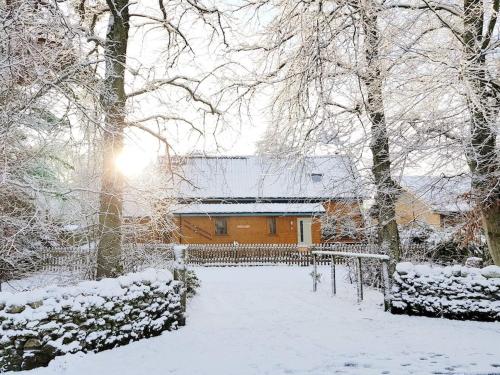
(237, 132)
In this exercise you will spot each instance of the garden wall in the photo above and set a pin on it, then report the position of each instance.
(39, 325)
(454, 292)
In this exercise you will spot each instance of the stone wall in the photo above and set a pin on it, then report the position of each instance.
(39, 325)
(454, 292)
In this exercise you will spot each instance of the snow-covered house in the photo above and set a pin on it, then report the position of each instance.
(254, 199)
(436, 201)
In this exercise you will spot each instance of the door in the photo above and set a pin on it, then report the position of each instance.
(304, 231)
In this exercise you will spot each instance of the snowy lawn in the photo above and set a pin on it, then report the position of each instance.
(266, 320)
(42, 279)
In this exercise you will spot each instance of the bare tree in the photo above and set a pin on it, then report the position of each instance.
(328, 61)
(468, 71)
(176, 20)
(114, 100)
(480, 44)
(40, 72)
(387, 190)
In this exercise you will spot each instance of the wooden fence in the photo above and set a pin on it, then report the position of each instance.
(262, 254)
(84, 260)
(139, 256)
(248, 254)
(68, 259)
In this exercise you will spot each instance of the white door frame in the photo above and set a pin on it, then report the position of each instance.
(304, 230)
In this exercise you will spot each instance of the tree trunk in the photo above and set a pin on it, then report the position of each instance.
(114, 99)
(483, 103)
(491, 224)
(386, 189)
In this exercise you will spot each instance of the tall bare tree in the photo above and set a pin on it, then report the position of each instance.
(387, 190)
(470, 31)
(326, 59)
(480, 44)
(176, 83)
(114, 100)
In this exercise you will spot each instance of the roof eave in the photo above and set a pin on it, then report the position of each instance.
(249, 213)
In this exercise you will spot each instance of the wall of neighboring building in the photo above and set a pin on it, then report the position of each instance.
(242, 229)
(410, 208)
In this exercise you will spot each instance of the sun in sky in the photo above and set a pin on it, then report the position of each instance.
(132, 162)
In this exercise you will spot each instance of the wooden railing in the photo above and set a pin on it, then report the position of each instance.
(334, 255)
(196, 229)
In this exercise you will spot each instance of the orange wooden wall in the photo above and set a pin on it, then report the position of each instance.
(242, 229)
(254, 229)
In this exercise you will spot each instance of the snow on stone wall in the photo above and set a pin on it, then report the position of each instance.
(38, 325)
(454, 292)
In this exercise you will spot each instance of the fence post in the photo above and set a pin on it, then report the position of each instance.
(315, 274)
(180, 271)
(186, 255)
(334, 280)
(360, 281)
(386, 285)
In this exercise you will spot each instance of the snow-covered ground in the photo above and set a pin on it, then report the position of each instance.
(40, 280)
(266, 320)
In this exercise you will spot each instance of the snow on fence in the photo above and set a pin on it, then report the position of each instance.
(454, 292)
(136, 257)
(38, 325)
(333, 258)
(68, 259)
(262, 254)
(247, 254)
(140, 256)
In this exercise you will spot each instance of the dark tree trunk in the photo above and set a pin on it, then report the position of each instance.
(114, 98)
(483, 104)
(386, 189)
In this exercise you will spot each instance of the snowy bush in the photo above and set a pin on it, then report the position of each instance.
(453, 292)
(39, 325)
(440, 245)
(193, 283)
(23, 233)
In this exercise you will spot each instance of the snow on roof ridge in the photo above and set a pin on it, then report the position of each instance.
(196, 156)
(261, 176)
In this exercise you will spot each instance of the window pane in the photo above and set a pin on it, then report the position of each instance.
(271, 225)
(221, 226)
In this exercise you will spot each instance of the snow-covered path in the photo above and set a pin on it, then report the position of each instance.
(266, 320)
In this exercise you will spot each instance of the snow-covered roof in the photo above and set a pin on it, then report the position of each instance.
(443, 194)
(253, 208)
(262, 177)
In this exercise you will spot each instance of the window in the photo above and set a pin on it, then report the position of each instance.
(221, 226)
(271, 225)
(316, 177)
